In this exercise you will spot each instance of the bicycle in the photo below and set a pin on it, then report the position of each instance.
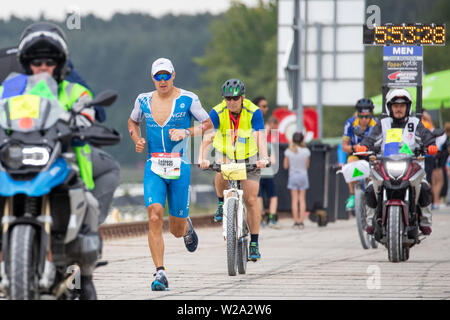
(359, 171)
(235, 227)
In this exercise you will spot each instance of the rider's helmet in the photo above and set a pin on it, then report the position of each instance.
(398, 96)
(364, 105)
(233, 88)
(43, 40)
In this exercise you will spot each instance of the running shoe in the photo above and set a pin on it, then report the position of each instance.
(218, 216)
(191, 239)
(254, 254)
(160, 283)
(350, 204)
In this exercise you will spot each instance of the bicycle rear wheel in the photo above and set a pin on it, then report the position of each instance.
(232, 243)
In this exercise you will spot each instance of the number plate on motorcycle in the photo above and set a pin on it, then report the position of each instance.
(234, 171)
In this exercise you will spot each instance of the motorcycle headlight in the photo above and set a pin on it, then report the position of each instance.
(15, 156)
(396, 169)
(35, 156)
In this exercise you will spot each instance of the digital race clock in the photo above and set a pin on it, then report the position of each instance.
(405, 34)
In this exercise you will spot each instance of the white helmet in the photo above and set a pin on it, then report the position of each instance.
(398, 96)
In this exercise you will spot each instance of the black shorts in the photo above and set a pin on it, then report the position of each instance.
(267, 186)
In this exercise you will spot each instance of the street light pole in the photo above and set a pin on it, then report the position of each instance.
(297, 96)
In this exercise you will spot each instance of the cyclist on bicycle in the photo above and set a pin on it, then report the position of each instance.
(239, 137)
(356, 128)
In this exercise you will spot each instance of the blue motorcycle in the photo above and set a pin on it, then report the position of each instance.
(49, 218)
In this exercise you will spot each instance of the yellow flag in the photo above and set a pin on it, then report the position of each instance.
(26, 106)
(234, 171)
(394, 135)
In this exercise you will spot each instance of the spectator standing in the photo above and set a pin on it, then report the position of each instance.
(447, 165)
(296, 160)
(435, 165)
(267, 185)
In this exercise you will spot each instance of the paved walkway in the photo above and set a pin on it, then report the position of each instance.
(314, 263)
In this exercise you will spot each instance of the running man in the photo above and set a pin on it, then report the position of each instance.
(168, 112)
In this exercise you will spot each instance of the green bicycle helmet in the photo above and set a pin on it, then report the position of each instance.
(233, 88)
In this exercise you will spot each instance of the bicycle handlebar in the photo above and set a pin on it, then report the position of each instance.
(248, 166)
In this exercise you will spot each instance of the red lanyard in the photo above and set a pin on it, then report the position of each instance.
(234, 123)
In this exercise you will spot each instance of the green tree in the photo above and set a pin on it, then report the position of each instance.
(243, 46)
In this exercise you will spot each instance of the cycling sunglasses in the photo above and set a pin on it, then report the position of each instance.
(39, 62)
(162, 76)
(367, 116)
(232, 98)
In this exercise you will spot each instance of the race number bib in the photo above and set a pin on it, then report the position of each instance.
(166, 165)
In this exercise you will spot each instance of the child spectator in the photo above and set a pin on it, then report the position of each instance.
(296, 159)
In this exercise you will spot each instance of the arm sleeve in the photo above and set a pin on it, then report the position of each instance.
(257, 120)
(308, 152)
(197, 110)
(136, 113)
(427, 137)
(370, 140)
(348, 129)
(214, 118)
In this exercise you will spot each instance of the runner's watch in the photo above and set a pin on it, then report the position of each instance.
(188, 133)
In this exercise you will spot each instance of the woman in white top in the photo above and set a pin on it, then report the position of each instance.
(296, 159)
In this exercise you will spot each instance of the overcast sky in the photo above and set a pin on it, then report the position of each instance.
(58, 9)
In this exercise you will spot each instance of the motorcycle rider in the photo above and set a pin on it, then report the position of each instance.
(398, 105)
(43, 48)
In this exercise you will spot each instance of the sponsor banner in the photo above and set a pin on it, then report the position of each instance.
(402, 66)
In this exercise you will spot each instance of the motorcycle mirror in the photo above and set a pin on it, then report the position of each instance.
(358, 131)
(378, 142)
(438, 132)
(104, 98)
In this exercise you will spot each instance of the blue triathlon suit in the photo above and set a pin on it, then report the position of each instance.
(157, 189)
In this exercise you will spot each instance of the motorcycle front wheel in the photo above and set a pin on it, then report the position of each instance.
(22, 267)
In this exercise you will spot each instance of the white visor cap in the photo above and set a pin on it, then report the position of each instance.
(162, 64)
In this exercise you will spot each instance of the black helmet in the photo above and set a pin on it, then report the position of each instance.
(364, 105)
(43, 40)
(233, 88)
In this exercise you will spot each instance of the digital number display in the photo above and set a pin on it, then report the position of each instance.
(405, 34)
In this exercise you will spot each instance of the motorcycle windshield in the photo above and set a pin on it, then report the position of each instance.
(29, 103)
(29, 112)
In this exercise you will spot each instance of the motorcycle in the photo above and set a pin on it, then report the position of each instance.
(398, 178)
(49, 219)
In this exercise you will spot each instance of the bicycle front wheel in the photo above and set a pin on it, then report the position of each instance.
(232, 243)
(360, 212)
